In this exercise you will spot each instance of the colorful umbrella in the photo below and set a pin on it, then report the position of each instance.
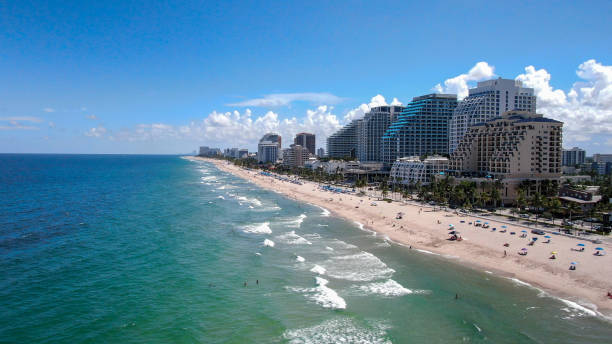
(553, 252)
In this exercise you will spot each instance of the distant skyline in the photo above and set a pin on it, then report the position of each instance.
(155, 78)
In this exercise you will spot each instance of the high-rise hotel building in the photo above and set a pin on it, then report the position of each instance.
(420, 129)
(370, 130)
(488, 100)
(306, 140)
(343, 143)
(519, 144)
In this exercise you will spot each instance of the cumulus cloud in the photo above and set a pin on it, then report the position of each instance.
(459, 84)
(282, 99)
(586, 109)
(22, 119)
(49, 110)
(361, 110)
(98, 131)
(92, 117)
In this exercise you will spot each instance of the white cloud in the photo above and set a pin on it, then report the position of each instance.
(49, 110)
(586, 109)
(459, 84)
(22, 119)
(98, 131)
(92, 117)
(17, 123)
(282, 99)
(361, 110)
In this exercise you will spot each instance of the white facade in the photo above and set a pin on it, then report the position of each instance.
(269, 148)
(489, 100)
(413, 170)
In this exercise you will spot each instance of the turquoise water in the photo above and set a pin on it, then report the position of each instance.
(157, 249)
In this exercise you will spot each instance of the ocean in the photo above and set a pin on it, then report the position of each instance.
(159, 249)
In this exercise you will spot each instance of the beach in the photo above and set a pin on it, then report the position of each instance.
(427, 230)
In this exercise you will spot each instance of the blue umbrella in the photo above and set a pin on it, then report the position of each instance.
(477, 220)
(599, 248)
(580, 245)
(574, 263)
(534, 239)
(504, 227)
(486, 223)
(547, 236)
(451, 225)
(524, 231)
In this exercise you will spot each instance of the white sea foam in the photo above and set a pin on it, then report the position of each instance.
(322, 294)
(259, 228)
(221, 197)
(293, 239)
(318, 269)
(427, 252)
(362, 266)
(322, 225)
(268, 243)
(257, 254)
(300, 259)
(324, 212)
(296, 222)
(312, 236)
(339, 330)
(209, 178)
(387, 288)
(341, 245)
(329, 248)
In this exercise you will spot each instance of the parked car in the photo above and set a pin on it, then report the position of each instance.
(373, 204)
(524, 216)
(537, 231)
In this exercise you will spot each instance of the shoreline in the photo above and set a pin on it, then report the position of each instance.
(482, 249)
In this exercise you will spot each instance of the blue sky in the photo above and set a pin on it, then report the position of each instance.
(119, 77)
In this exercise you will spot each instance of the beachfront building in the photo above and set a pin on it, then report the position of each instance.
(573, 157)
(489, 100)
(243, 153)
(585, 198)
(207, 151)
(295, 156)
(420, 129)
(343, 143)
(321, 152)
(413, 170)
(370, 130)
(306, 140)
(515, 147)
(269, 148)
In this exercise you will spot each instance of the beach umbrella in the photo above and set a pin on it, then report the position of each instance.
(486, 223)
(524, 231)
(477, 220)
(451, 225)
(553, 252)
(504, 226)
(599, 248)
(523, 249)
(580, 245)
(534, 239)
(547, 236)
(573, 263)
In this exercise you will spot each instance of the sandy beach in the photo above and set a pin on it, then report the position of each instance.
(427, 230)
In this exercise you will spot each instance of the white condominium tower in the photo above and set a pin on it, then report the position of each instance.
(489, 100)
